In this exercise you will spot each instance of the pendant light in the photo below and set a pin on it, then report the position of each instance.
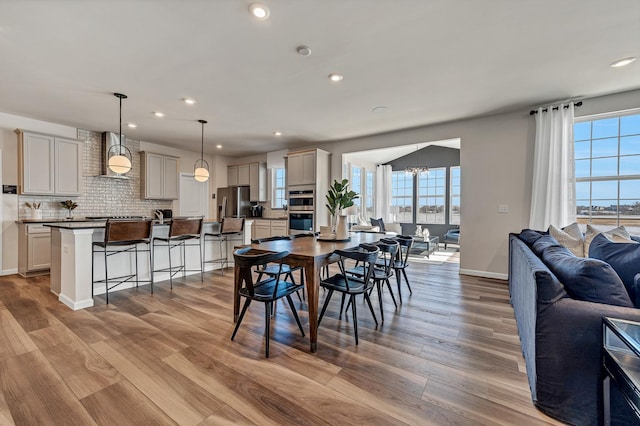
(201, 167)
(417, 170)
(119, 155)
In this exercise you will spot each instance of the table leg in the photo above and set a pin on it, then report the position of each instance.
(312, 281)
(606, 391)
(236, 294)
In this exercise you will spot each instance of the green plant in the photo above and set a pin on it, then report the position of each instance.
(69, 204)
(339, 197)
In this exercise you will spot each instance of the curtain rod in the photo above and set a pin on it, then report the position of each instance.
(533, 111)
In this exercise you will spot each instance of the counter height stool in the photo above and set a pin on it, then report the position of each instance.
(122, 237)
(183, 232)
(229, 227)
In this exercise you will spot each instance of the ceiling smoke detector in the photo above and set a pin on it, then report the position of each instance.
(303, 50)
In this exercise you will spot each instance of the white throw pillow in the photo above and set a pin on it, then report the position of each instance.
(617, 235)
(570, 237)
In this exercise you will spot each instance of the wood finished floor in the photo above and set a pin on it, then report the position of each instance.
(449, 354)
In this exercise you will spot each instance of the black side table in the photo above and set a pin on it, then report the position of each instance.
(621, 361)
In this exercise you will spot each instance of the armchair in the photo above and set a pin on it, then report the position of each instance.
(452, 236)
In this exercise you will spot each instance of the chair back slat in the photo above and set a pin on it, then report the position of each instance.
(188, 226)
(129, 230)
(232, 225)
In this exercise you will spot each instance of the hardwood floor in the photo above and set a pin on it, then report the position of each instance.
(449, 354)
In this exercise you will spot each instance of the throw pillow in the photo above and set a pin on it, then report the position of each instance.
(586, 279)
(543, 243)
(624, 258)
(636, 290)
(618, 234)
(570, 237)
(377, 222)
(530, 236)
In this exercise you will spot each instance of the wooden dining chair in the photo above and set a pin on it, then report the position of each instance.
(349, 284)
(266, 291)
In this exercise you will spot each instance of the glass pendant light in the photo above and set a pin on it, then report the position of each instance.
(119, 155)
(201, 167)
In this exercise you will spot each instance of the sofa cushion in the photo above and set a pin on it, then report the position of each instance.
(570, 237)
(624, 258)
(618, 234)
(530, 236)
(586, 279)
(543, 243)
(378, 222)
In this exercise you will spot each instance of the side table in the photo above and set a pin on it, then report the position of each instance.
(621, 362)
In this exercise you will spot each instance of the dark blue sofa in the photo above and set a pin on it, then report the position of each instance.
(561, 341)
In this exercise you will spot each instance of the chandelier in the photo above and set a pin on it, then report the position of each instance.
(416, 170)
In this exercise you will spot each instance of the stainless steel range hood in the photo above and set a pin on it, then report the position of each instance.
(110, 139)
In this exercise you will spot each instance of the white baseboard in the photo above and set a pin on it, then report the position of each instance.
(75, 305)
(8, 272)
(484, 274)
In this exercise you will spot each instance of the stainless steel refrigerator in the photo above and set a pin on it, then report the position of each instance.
(233, 201)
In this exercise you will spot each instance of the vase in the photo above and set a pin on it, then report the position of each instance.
(69, 215)
(342, 233)
(36, 214)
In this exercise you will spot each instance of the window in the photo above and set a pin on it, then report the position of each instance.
(370, 178)
(432, 196)
(454, 196)
(402, 196)
(607, 166)
(278, 198)
(356, 184)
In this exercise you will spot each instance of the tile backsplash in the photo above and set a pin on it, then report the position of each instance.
(100, 196)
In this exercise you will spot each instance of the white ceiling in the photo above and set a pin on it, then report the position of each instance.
(427, 61)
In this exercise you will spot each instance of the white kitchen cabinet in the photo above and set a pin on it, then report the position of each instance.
(49, 165)
(302, 168)
(159, 176)
(34, 249)
(232, 176)
(265, 228)
(279, 228)
(243, 175)
(257, 182)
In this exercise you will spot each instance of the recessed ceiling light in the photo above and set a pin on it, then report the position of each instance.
(622, 62)
(189, 101)
(303, 50)
(219, 146)
(335, 76)
(132, 125)
(158, 114)
(259, 10)
(277, 133)
(380, 109)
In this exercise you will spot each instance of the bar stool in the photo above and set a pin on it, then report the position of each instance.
(182, 233)
(229, 227)
(122, 237)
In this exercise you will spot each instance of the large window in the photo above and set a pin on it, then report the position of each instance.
(454, 196)
(607, 159)
(278, 198)
(431, 196)
(370, 178)
(356, 184)
(402, 196)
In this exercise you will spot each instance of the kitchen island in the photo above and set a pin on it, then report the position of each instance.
(71, 263)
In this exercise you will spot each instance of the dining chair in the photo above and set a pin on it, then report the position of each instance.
(273, 269)
(266, 291)
(183, 232)
(122, 237)
(382, 270)
(401, 261)
(349, 284)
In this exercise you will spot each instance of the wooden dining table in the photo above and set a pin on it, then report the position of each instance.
(311, 254)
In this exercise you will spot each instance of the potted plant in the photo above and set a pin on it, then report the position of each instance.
(69, 205)
(338, 198)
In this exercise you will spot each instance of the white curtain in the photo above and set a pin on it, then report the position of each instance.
(553, 190)
(383, 193)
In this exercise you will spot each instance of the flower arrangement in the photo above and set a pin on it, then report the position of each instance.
(69, 205)
(33, 206)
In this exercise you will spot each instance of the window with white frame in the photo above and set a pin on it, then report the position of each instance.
(454, 195)
(402, 196)
(607, 166)
(278, 197)
(356, 184)
(431, 208)
(369, 194)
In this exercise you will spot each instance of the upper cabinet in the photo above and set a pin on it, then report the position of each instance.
(307, 167)
(49, 165)
(253, 175)
(159, 176)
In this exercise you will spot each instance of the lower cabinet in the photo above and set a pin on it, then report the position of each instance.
(34, 249)
(265, 228)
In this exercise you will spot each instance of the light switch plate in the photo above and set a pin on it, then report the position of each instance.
(503, 208)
